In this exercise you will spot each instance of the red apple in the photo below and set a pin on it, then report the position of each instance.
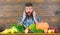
(54, 29)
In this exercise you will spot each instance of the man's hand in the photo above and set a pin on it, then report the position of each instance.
(34, 16)
(23, 17)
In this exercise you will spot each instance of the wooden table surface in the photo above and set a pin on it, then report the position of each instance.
(33, 34)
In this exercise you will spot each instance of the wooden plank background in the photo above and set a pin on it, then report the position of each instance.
(10, 10)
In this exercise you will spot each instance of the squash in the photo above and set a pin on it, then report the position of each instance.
(42, 25)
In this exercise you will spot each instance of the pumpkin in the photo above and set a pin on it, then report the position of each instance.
(45, 30)
(42, 25)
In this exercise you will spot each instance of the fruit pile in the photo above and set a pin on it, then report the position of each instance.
(13, 29)
(45, 27)
(42, 27)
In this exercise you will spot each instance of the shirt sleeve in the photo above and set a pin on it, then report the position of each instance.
(20, 18)
(38, 18)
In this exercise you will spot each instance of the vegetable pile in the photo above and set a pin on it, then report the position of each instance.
(42, 27)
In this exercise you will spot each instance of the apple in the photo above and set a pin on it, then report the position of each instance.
(54, 29)
(49, 31)
(45, 30)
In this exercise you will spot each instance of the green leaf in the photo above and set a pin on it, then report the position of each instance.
(39, 31)
(20, 28)
(32, 28)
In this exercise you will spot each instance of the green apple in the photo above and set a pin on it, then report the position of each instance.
(49, 31)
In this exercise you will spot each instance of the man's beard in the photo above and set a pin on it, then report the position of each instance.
(29, 14)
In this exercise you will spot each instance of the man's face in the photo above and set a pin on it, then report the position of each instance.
(29, 10)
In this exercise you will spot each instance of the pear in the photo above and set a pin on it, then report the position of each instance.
(6, 31)
(14, 30)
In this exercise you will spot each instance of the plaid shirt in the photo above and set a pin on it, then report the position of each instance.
(28, 20)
